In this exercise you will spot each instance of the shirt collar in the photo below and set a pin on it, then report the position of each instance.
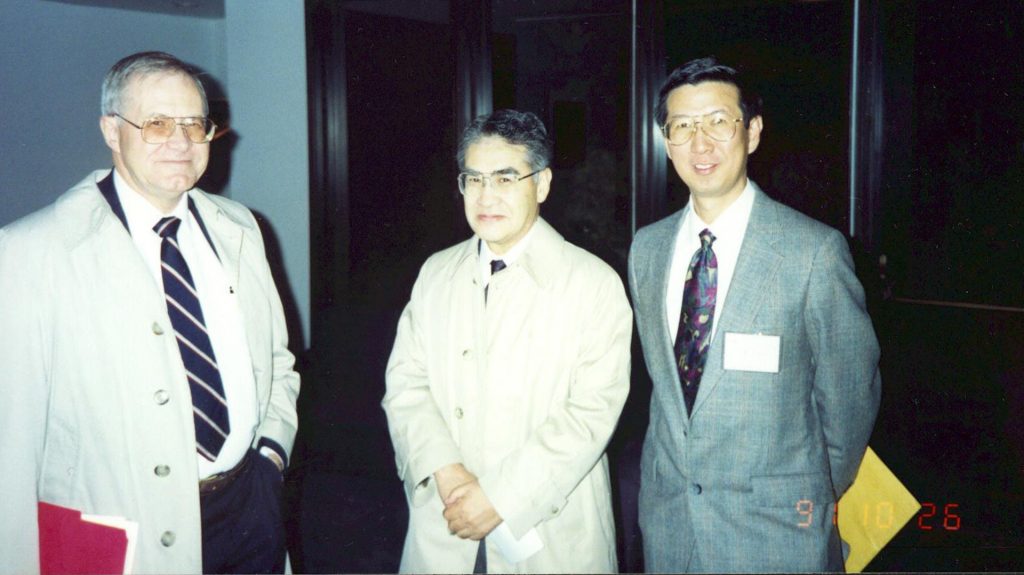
(541, 256)
(511, 255)
(139, 212)
(730, 223)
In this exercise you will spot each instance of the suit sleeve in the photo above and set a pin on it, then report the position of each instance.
(277, 430)
(533, 483)
(847, 383)
(421, 438)
(24, 391)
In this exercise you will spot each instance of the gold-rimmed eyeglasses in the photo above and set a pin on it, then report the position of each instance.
(160, 129)
(718, 126)
(472, 183)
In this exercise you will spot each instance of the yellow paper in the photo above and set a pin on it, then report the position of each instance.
(873, 511)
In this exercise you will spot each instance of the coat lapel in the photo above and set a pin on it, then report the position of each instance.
(758, 263)
(657, 270)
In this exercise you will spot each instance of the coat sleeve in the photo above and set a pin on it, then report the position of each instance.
(847, 383)
(277, 430)
(533, 483)
(24, 391)
(421, 438)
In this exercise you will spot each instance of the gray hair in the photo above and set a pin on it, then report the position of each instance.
(140, 65)
(515, 127)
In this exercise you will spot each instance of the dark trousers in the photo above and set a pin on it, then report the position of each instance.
(243, 531)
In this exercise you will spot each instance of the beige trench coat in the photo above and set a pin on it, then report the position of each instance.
(525, 391)
(93, 395)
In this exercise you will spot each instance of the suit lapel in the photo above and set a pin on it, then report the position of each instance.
(240, 259)
(657, 270)
(224, 234)
(758, 263)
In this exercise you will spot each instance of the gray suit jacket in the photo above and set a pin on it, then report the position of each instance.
(749, 481)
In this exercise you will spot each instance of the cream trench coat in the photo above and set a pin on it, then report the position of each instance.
(95, 410)
(525, 391)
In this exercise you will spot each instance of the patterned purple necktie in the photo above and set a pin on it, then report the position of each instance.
(698, 314)
(209, 407)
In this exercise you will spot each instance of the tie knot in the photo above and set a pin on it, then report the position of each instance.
(706, 238)
(497, 266)
(167, 227)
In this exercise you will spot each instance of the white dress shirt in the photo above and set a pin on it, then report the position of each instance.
(728, 229)
(221, 313)
(486, 255)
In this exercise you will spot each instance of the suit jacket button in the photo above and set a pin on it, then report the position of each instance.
(697, 488)
(167, 539)
(466, 353)
(157, 330)
(162, 470)
(554, 510)
(161, 397)
(458, 413)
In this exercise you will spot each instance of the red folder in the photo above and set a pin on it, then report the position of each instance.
(67, 544)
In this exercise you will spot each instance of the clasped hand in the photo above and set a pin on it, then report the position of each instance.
(467, 509)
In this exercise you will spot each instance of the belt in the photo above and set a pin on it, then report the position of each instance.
(221, 480)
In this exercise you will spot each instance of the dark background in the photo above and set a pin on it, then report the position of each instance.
(940, 254)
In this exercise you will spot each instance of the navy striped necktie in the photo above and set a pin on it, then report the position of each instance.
(209, 407)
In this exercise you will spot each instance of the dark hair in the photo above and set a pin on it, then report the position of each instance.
(139, 65)
(708, 70)
(515, 127)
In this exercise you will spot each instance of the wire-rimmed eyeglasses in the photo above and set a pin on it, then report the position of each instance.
(472, 183)
(160, 129)
(718, 126)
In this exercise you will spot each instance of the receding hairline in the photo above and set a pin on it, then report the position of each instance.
(126, 96)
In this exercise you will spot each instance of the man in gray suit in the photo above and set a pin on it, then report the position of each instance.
(762, 355)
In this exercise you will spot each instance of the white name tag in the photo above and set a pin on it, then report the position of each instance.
(751, 352)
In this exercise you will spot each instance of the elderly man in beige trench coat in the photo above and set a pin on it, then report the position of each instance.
(504, 386)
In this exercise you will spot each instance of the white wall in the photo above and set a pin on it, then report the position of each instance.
(266, 84)
(52, 60)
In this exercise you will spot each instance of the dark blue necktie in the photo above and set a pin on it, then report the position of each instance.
(209, 408)
(698, 315)
(496, 266)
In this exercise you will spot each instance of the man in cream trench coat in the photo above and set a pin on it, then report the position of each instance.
(95, 410)
(503, 390)
(747, 481)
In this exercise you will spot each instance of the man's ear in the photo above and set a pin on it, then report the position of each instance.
(754, 133)
(543, 185)
(111, 133)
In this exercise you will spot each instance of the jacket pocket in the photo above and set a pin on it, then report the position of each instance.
(790, 490)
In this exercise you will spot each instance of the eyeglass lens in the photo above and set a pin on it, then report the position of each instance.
(718, 127)
(160, 130)
(474, 183)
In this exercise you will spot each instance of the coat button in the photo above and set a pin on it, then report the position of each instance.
(554, 510)
(167, 539)
(162, 470)
(697, 488)
(161, 396)
(458, 413)
(466, 353)
(157, 330)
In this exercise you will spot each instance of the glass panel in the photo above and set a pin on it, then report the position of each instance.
(568, 62)
(953, 172)
(955, 158)
(798, 55)
(402, 187)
